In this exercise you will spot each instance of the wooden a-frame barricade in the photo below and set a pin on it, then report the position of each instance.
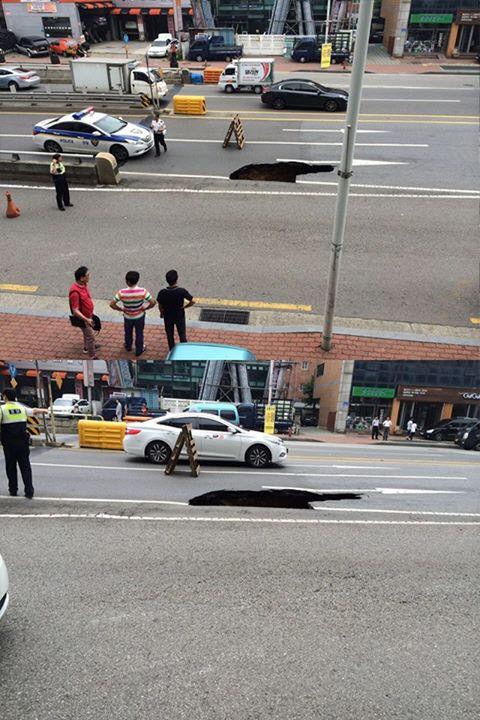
(185, 437)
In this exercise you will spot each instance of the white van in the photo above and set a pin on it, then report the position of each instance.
(160, 46)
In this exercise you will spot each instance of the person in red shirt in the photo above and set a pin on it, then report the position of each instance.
(81, 305)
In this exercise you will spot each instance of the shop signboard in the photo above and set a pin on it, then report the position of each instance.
(373, 392)
(431, 18)
(326, 55)
(419, 393)
(468, 17)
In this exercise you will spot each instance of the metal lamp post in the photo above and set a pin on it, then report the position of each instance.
(346, 162)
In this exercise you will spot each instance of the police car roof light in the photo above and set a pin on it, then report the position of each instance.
(82, 113)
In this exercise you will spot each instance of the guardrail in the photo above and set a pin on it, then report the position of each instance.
(87, 169)
(48, 100)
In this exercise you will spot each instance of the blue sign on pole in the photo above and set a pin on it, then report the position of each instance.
(126, 38)
(12, 370)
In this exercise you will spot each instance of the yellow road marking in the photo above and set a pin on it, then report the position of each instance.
(256, 304)
(5, 287)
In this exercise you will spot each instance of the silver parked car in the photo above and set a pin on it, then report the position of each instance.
(14, 78)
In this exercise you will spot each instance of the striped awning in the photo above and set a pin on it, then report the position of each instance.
(155, 11)
(134, 11)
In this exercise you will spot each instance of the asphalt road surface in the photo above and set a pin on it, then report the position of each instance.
(389, 478)
(190, 613)
(411, 250)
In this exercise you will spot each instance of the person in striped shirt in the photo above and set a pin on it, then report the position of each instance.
(133, 301)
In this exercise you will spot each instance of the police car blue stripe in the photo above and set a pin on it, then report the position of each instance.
(70, 133)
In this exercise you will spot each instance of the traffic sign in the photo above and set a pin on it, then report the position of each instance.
(12, 370)
(126, 38)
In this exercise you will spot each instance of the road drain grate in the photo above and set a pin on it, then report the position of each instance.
(236, 317)
(295, 499)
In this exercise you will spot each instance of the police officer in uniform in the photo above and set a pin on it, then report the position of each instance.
(57, 172)
(15, 442)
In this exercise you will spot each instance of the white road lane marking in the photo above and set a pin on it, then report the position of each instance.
(318, 506)
(159, 470)
(268, 142)
(301, 130)
(309, 182)
(186, 518)
(102, 500)
(356, 162)
(379, 490)
(273, 193)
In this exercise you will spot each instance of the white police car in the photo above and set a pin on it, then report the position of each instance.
(88, 131)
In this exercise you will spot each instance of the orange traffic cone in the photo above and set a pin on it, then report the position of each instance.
(12, 209)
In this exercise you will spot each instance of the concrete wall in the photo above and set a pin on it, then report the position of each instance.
(396, 14)
(39, 171)
(326, 389)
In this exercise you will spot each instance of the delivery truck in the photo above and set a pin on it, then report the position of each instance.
(247, 74)
(123, 77)
(213, 47)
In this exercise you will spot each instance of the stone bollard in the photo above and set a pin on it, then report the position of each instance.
(107, 169)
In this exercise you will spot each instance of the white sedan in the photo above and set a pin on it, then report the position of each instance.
(3, 587)
(87, 131)
(215, 439)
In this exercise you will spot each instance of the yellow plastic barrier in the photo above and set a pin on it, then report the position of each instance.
(189, 105)
(101, 434)
(33, 425)
(212, 75)
(136, 418)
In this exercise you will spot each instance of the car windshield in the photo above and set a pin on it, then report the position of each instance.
(159, 43)
(109, 124)
(61, 402)
(155, 75)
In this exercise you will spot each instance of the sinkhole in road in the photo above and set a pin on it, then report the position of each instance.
(284, 498)
(278, 171)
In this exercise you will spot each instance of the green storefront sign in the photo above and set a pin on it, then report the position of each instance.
(373, 392)
(432, 18)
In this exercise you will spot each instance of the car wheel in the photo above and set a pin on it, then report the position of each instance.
(302, 59)
(158, 452)
(257, 89)
(13, 85)
(440, 437)
(120, 154)
(229, 88)
(52, 147)
(228, 59)
(29, 53)
(279, 104)
(333, 61)
(199, 58)
(331, 106)
(258, 456)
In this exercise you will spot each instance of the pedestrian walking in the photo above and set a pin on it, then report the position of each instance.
(133, 301)
(59, 177)
(119, 411)
(82, 307)
(173, 56)
(159, 131)
(15, 442)
(171, 304)
(411, 428)
(386, 425)
(375, 428)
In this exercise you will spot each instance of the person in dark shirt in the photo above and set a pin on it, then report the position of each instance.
(171, 303)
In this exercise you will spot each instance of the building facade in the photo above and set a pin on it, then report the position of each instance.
(99, 20)
(426, 391)
(431, 26)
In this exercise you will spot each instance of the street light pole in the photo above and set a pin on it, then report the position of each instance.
(328, 21)
(345, 169)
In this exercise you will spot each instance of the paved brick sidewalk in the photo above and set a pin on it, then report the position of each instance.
(42, 338)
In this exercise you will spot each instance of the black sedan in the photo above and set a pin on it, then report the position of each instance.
(448, 429)
(305, 94)
(469, 437)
